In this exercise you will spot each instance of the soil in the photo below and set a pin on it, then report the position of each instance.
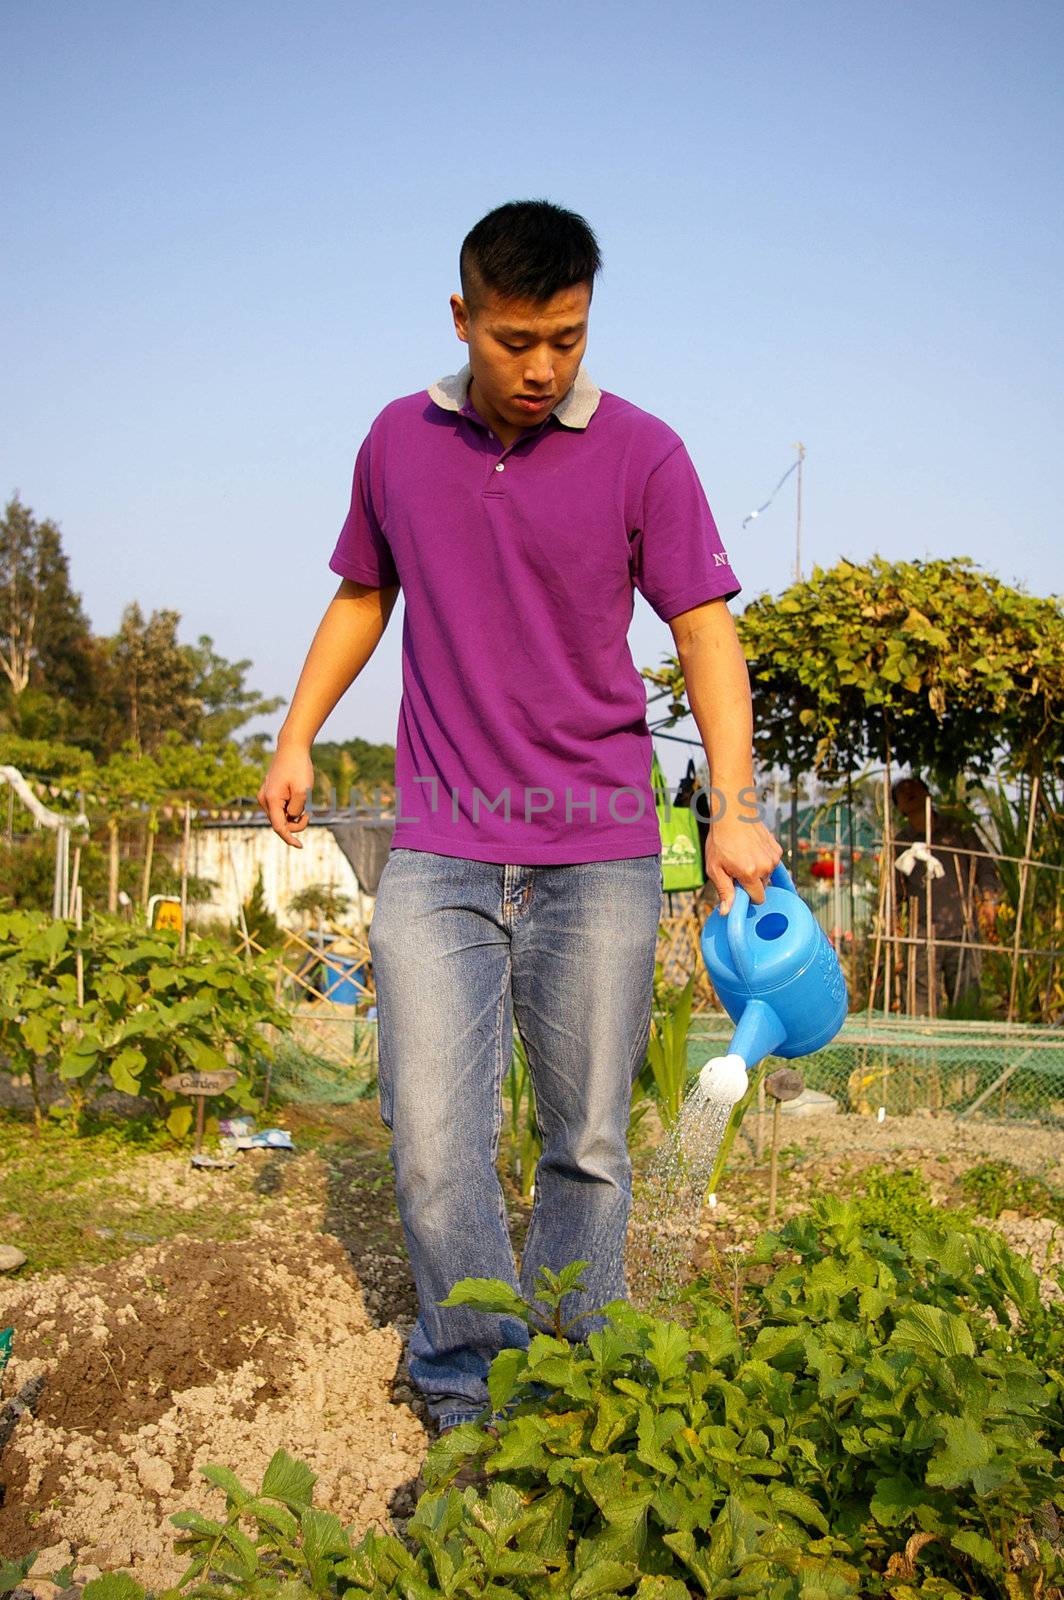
(192, 1351)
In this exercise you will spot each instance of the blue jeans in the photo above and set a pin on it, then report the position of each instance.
(460, 949)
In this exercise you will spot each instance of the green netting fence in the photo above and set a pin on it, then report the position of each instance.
(998, 1071)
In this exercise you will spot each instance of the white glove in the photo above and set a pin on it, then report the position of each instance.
(919, 852)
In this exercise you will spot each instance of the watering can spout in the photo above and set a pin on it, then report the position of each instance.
(759, 1033)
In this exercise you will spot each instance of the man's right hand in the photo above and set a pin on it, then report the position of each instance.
(284, 792)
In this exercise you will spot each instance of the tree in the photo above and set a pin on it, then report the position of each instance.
(354, 764)
(45, 641)
(936, 662)
(225, 700)
(153, 679)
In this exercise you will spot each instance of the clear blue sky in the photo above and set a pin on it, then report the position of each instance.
(232, 231)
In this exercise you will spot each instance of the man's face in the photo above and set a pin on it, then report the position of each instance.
(523, 354)
(911, 801)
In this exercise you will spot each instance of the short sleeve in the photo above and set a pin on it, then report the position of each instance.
(362, 551)
(677, 558)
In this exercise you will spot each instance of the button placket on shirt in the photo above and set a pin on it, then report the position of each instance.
(494, 479)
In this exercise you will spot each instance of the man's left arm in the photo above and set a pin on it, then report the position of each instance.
(739, 848)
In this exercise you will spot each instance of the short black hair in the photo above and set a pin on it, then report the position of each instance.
(527, 250)
(913, 779)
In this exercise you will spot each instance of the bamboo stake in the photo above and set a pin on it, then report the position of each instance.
(759, 1146)
(74, 874)
(79, 959)
(880, 908)
(112, 866)
(149, 851)
(1031, 809)
(185, 840)
(891, 954)
(929, 933)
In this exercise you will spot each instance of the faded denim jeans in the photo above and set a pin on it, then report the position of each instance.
(461, 949)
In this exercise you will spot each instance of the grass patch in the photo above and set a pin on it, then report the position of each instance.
(63, 1201)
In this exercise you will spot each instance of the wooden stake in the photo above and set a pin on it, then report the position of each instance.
(759, 1147)
(1031, 809)
(774, 1162)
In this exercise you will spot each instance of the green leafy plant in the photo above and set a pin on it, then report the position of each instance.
(866, 1417)
(869, 1395)
(997, 1186)
(524, 1139)
(666, 1058)
(147, 1012)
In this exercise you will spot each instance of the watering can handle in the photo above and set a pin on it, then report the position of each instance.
(736, 918)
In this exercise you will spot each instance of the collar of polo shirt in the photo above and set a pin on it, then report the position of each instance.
(574, 410)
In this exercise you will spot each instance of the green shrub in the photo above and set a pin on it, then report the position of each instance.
(997, 1186)
(148, 1011)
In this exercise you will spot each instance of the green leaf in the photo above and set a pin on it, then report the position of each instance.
(454, 1448)
(504, 1376)
(122, 1070)
(966, 1451)
(930, 1327)
(37, 1034)
(179, 1121)
(323, 1536)
(489, 1295)
(289, 1481)
(795, 1503)
(243, 1549)
(204, 1057)
(894, 1499)
(602, 1578)
(668, 1349)
(980, 1549)
(224, 1478)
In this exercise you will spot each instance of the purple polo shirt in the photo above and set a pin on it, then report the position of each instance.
(522, 731)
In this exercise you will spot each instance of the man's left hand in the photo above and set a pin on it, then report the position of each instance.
(739, 851)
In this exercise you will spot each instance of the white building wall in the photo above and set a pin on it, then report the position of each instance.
(231, 857)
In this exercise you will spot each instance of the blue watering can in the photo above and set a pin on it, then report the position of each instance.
(778, 978)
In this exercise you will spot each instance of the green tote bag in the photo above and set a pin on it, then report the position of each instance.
(681, 849)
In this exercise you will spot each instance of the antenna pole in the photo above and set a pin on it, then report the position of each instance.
(798, 518)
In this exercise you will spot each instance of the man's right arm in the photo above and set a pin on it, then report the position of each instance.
(347, 636)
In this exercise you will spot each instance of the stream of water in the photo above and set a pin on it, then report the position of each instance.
(668, 1205)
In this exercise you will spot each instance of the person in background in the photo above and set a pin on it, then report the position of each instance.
(965, 893)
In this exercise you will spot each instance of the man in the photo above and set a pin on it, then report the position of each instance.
(964, 893)
(517, 505)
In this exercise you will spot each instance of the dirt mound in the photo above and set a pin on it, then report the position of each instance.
(190, 1352)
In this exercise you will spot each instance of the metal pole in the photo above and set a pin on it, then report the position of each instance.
(798, 518)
